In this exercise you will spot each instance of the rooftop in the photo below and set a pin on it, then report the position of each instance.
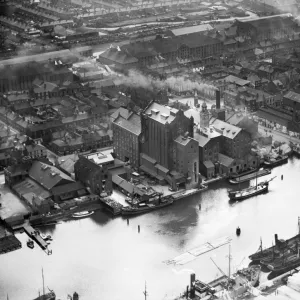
(183, 140)
(36, 58)
(100, 158)
(292, 96)
(47, 176)
(236, 80)
(132, 124)
(160, 113)
(191, 29)
(227, 130)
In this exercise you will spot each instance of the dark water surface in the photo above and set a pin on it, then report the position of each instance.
(103, 258)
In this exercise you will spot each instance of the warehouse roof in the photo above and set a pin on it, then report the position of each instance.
(292, 96)
(36, 58)
(191, 29)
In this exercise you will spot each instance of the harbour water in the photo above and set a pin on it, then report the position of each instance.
(104, 258)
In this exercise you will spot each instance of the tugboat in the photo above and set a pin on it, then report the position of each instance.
(30, 244)
(277, 251)
(145, 207)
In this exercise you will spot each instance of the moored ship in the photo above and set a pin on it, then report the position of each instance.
(228, 286)
(247, 172)
(145, 207)
(281, 248)
(244, 178)
(276, 161)
(249, 192)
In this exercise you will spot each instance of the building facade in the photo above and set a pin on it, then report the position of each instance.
(92, 171)
(126, 132)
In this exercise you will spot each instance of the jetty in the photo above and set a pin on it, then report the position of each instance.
(251, 176)
(32, 233)
(192, 254)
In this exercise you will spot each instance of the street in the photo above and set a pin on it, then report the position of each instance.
(277, 136)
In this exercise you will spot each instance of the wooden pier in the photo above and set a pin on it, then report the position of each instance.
(35, 236)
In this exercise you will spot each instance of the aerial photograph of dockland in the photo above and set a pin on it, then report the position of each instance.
(150, 149)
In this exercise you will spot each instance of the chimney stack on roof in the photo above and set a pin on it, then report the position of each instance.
(218, 99)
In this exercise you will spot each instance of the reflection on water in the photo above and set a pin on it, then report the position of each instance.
(104, 258)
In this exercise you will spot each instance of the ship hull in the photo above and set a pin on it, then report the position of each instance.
(279, 162)
(238, 196)
(139, 211)
(283, 269)
(256, 257)
(243, 174)
(250, 177)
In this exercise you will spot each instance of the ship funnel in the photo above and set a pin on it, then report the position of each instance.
(276, 239)
(192, 287)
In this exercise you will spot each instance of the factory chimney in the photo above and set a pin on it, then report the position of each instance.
(192, 286)
(218, 99)
(276, 239)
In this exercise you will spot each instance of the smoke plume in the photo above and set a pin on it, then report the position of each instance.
(178, 84)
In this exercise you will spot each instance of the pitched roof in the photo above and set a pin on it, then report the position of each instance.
(191, 29)
(36, 58)
(225, 160)
(132, 124)
(118, 55)
(46, 175)
(227, 130)
(208, 164)
(236, 80)
(67, 188)
(123, 112)
(201, 139)
(292, 96)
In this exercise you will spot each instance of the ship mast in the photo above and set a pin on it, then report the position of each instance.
(145, 291)
(229, 263)
(43, 284)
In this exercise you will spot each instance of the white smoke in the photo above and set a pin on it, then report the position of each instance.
(178, 84)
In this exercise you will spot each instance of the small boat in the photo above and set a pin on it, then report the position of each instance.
(238, 231)
(30, 244)
(145, 207)
(279, 160)
(48, 238)
(82, 214)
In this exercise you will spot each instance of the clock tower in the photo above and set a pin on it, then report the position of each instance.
(204, 116)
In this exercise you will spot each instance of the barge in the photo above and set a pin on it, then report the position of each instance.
(241, 179)
(277, 161)
(146, 207)
(112, 206)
